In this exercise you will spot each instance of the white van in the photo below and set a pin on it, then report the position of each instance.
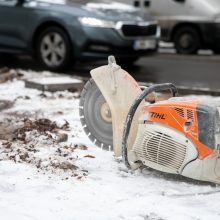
(190, 24)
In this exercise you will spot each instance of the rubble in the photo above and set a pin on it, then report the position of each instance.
(5, 104)
(7, 74)
(82, 147)
(66, 165)
(40, 142)
(62, 137)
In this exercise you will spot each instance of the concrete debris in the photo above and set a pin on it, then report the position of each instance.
(5, 104)
(39, 143)
(66, 165)
(62, 137)
(7, 74)
(82, 147)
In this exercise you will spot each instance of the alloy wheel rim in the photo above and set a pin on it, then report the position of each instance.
(186, 41)
(53, 49)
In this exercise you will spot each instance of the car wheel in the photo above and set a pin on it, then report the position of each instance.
(187, 40)
(95, 116)
(54, 49)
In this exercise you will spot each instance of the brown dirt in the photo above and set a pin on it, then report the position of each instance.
(5, 104)
(13, 126)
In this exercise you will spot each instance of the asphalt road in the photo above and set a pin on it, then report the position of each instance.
(190, 71)
(202, 71)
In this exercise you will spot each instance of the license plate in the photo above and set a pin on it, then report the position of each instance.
(144, 44)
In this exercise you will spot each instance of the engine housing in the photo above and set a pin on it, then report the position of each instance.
(162, 148)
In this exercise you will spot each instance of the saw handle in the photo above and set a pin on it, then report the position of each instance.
(162, 87)
(133, 108)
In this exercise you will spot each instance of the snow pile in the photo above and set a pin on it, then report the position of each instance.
(50, 170)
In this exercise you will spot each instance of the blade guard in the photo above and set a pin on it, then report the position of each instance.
(119, 90)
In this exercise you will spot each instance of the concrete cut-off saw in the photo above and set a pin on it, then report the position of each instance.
(177, 135)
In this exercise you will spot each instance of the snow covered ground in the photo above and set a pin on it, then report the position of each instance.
(36, 183)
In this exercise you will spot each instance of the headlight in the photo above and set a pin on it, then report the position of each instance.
(94, 22)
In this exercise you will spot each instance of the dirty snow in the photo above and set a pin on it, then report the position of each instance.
(97, 186)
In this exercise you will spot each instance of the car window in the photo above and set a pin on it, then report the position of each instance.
(8, 2)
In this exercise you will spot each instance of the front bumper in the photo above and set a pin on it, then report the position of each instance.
(95, 42)
(97, 49)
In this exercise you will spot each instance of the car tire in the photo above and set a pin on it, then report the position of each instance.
(187, 40)
(97, 126)
(54, 49)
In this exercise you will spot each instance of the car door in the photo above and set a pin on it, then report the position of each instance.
(13, 26)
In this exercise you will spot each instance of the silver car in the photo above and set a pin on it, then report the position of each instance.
(190, 24)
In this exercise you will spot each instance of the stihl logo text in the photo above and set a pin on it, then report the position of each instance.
(157, 115)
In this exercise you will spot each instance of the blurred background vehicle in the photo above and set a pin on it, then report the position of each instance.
(190, 24)
(61, 32)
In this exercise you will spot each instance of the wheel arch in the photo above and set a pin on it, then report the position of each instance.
(44, 25)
